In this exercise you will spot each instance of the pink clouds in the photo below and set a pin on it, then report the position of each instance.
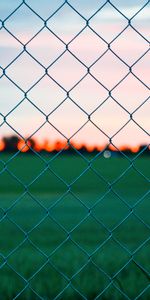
(88, 95)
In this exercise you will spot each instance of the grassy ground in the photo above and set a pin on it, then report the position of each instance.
(63, 232)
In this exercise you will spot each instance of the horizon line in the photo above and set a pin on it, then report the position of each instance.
(14, 142)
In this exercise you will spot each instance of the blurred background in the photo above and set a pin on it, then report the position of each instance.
(74, 209)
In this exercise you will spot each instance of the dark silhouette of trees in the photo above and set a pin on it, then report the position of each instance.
(144, 149)
(11, 143)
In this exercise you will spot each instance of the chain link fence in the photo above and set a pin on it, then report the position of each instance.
(56, 282)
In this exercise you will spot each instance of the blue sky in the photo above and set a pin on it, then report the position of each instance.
(46, 7)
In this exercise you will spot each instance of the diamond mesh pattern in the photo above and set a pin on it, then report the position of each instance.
(45, 22)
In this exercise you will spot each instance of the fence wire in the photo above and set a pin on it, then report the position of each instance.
(4, 72)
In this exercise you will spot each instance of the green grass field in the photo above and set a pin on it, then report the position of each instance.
(74, 234)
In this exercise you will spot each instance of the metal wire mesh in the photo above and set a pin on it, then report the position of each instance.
(88, 70)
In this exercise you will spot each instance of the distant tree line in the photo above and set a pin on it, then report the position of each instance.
(11, 144)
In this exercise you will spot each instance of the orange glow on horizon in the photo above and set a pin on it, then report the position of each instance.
(124, 147)
(2, 145)
(135, 149)
(113, 148)
(49, 147)
(38, 146)
(90, 148)
(23, 147)
(63, 145)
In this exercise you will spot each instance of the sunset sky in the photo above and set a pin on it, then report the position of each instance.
(90, 97)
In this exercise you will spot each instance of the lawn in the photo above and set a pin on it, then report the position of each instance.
(74, 227)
